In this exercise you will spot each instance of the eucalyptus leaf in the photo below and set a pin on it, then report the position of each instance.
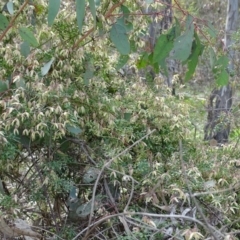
(222, 78)
(25, 49)
(45, 69)
(162, 48)
(3, 86)
(90, 175)
(197, 50)
(119, 38)
(10, 7)
(53, 9)
(123, 59)
(80, 8)
(149, 1)
(183, 44)
(93, 10)
(73, 130)
(3, 22)
(27, 35)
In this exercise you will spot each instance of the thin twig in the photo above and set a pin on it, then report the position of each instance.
(107, 15)
(207, 226)
(107, 164)
(127, 214)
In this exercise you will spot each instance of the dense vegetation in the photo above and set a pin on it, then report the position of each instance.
(94, 145)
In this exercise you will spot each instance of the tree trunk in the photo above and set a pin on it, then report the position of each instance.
(220, 100)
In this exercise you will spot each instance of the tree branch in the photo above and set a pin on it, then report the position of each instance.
(13, 19)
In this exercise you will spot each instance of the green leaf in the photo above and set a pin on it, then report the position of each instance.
(3, 86)
(73, 193)
(122, 61)
(90, 175)
(25, 49)
(73, 130)
(222, 61)
(183, 44)
(80, 7)
(53, 8)
(127, 116)
(3, 22)
(197, 50)
(93, 10)
(10, 7)
(119, 38)
(211, 30)
(143, 61)
(177, 28)
(164, 67)
(125, 10)
(162, 48)
(27, 35)
(222, 78)
(127, 25)
(133, 46)
(220, 64)
(45, 69)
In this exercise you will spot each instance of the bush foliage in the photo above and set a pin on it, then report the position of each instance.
(90, 148)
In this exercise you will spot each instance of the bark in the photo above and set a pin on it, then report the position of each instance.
(220, 100)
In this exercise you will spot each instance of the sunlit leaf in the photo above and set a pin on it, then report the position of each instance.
(3, 22)
(80, 7)
(10, 7)
(53, 8)
(45, 69)
(27, 35)
(119, 38)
